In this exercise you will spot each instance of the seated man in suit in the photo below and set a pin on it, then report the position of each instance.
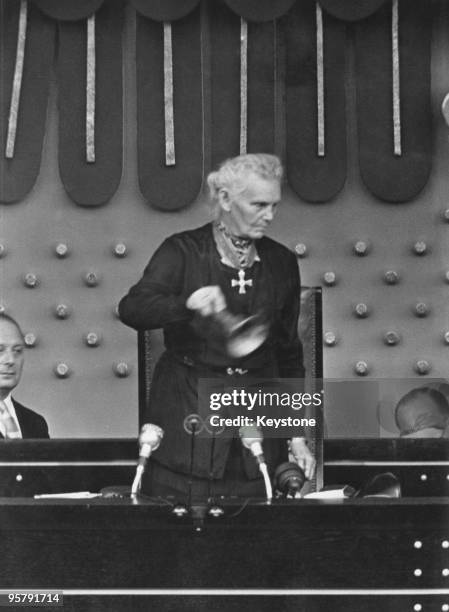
(16, 421)
(422, 413)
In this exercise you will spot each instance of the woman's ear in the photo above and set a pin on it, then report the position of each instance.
(224, 199)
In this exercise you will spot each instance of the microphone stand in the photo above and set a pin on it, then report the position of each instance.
(193, 426)
(137, 482)
(252, 440)
(211, 468)
(268, 488)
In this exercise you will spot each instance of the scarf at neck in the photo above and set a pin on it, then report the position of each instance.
(240, 252)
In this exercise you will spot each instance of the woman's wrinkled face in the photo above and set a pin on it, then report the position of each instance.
(248, 212)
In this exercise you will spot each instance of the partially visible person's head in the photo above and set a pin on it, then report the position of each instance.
(422, 412)
(247, 190)
(11, 354)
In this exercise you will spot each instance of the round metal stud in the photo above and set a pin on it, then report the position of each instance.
(30, 280)
(62, 311)
(92, 339)
(446, 337)
(417, 544)
(420, 248)
(422, 367)
(61, 250)
(2, 309)
(361, 368)
(445, 215)
(301, 249)
(421, 309)
(391, 277)
(361, 248)
(417, 607)
(361, 310)
(423, 477)
(330, 339)
(445, 572)
(417, 572)
(444, 544)
(3, 250)
(330, 278)
(91, 278)
(19, 477)
(120, 249)
(391, 338)
(62, 370)
(121, 369)
(30, 340)
(445, 607)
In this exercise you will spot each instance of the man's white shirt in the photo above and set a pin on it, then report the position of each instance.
(12, 411)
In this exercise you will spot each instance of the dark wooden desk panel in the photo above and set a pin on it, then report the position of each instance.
(421, 465)
(28, 466)
(360, 544)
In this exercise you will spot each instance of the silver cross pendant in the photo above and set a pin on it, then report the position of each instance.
(241, 283)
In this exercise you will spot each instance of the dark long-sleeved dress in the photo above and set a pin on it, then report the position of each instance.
(181, 265)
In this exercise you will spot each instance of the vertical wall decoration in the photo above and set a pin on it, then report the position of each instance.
(90, 90)
(89, 68)
(315, 102)
(320, 80)
(225, 69)
(243, 69)
(169, 120)
(393, 99)
(243, 86)
(396, 74)
(222, 63)
(26, 56)
(169, 102)
(17, 81)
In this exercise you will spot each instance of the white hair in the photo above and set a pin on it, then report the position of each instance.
(232, 174)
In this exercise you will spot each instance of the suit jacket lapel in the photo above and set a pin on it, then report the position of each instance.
(19, 414)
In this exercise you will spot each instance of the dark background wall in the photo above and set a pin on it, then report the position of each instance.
(93, 401)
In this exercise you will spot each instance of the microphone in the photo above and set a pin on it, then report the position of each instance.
(289, 478)
(252, 439)
(149, 440)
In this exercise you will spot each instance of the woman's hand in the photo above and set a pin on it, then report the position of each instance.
(303, 456)
(207, 300)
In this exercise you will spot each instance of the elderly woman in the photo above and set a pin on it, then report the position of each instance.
(193, 276)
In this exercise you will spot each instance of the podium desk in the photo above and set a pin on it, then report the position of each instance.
(395, 549)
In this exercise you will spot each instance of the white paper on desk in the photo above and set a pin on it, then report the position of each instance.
(332, 492)
(76, 495)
